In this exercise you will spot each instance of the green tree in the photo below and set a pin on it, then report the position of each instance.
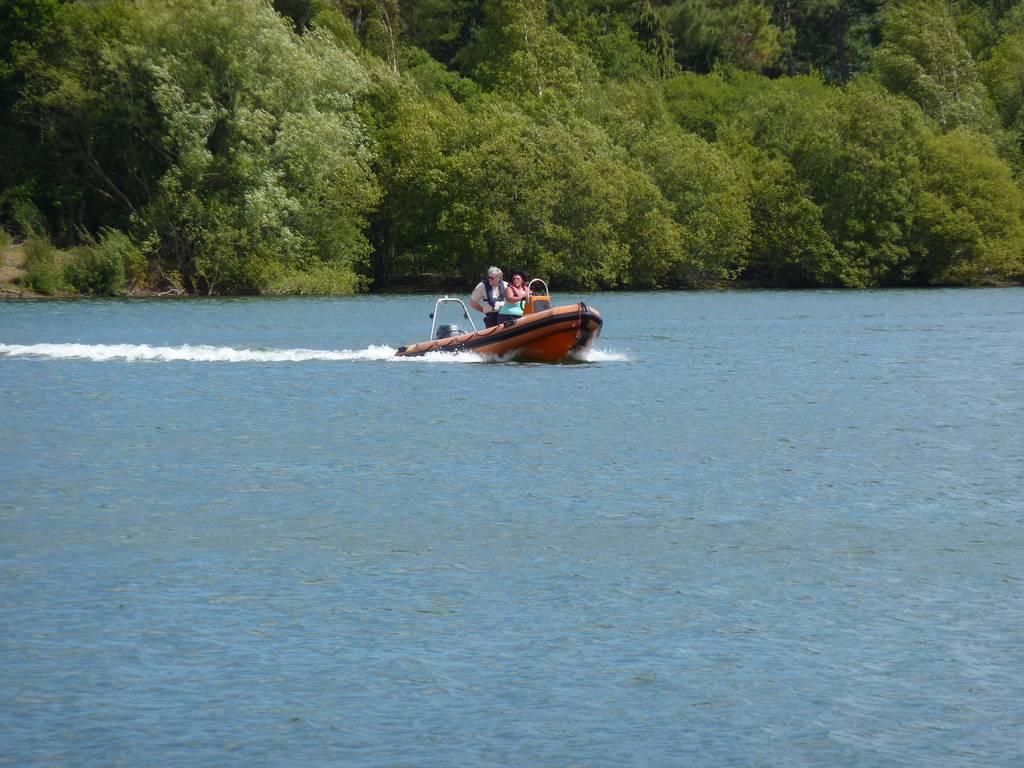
(653, 33)
(88, 142)
(970, 226)
(556, 198)
(22, 24)
(843, 163)
(414, 131)
(626, 39)
(442, 27)
(789, 243)
(702, 104)
(923, 57)
(832, 37)
(792, 138)
(868, 183)
(709, 33)
(517, 53)
(267, 178)
(508, 26)
(708, 193)
(1003, 74)
(183, 123)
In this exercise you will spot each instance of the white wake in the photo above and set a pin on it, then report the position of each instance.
(602, 356)
(188, 353)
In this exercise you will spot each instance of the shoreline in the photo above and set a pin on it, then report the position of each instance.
(12, 272)
(8, 293)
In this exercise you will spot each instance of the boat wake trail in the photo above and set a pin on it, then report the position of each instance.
(187, 353)
(210, 354)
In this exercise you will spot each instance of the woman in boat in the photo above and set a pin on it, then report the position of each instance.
(516, 291)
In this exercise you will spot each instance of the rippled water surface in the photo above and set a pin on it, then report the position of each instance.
(756, 529)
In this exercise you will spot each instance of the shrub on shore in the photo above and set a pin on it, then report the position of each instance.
(44, 269)
(106, 266)
(319, 280)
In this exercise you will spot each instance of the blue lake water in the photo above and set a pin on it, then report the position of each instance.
(756, 529)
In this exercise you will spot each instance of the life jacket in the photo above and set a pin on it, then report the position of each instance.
(491, 298)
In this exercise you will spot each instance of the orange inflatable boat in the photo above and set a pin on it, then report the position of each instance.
(543, 334)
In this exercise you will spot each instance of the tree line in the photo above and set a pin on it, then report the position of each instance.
(337, 146)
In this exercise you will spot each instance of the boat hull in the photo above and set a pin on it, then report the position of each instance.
(548, 337)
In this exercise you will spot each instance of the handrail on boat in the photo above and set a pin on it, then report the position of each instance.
(544, 296)
(449, 300)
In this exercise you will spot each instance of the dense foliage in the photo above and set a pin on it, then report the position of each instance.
(330, 146)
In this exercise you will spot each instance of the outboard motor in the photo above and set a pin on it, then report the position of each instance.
(447, 331)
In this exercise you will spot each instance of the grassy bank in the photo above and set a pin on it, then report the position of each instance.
(12, 271)
(34, 268)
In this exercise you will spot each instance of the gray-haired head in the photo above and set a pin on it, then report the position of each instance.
(493, 272)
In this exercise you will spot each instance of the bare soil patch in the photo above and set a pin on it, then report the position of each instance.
(12, 264)
(12, 274)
